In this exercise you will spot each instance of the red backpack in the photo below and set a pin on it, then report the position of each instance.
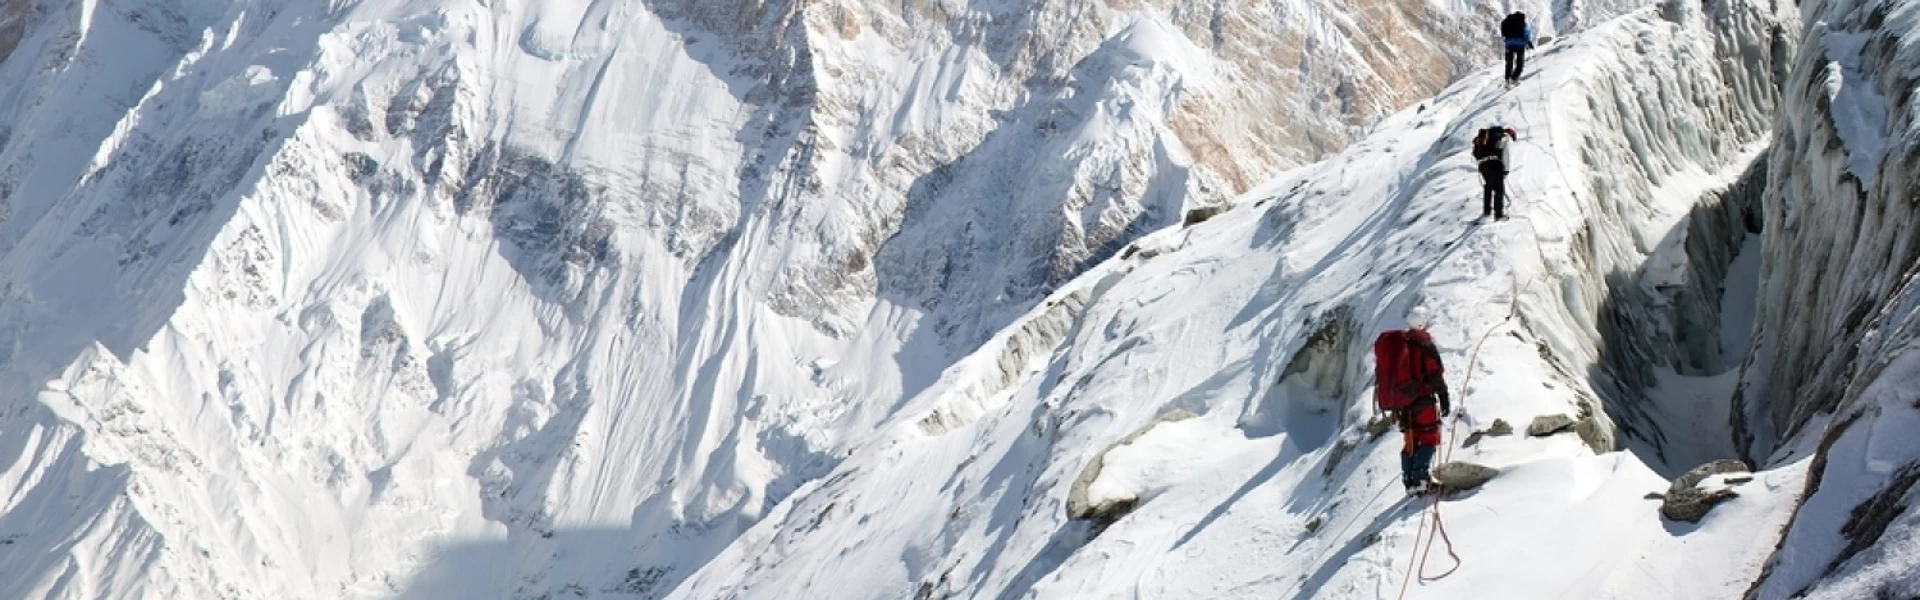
(1402, 364)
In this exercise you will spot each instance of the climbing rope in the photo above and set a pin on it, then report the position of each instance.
(1440, 527)
(1418, 533)
(1417, 563)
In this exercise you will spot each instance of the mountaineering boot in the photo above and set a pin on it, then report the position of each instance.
(1417, 489)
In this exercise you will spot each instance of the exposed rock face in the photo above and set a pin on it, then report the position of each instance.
(1200, 215)
(1378, 426)
(1686, 500)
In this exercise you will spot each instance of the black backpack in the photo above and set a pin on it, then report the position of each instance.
(1514, 26)
(1487, 143)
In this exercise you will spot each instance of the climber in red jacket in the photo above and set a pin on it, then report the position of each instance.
(1410, 384)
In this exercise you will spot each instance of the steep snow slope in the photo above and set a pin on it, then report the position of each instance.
(1835, 373)
(463, 299)
(1199, 400)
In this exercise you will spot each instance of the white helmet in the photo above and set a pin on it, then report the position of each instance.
(1419, 318)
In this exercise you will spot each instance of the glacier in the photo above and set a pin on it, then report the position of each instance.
(415, 298)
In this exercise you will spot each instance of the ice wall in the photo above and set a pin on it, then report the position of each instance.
(1666, 182)
(1837, 240)
(1834, 375)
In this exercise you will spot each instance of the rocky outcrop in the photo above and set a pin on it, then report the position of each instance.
(1105, 511)
(1595, 434)
(1688, 500)
(1378, 426)
(1196, 216)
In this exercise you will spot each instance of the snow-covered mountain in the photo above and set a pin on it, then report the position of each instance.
(1187, 421)
(845, 299)
(330, 299)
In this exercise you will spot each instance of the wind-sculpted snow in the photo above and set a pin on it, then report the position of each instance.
(1834, 373)
(1273, 489)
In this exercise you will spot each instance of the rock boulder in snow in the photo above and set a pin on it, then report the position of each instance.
(1200, 215)
(1687, 500)
(1595, 434)
(1500, 427)
(1460, 475)
(1545, 425)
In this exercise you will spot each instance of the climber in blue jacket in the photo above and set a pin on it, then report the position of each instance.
(1519, 38)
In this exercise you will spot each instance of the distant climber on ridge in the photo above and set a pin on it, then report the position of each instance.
(1519, 38)
(1490, 152)
(1410, 384)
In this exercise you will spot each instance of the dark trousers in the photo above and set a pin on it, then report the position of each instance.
(1416, 466)
(1516, 61)
(1493, 199)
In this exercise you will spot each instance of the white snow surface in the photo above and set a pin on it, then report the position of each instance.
(691, 299)
(1273, 490)
(520, 299)
(1859, 110)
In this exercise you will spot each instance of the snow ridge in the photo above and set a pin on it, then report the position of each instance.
(1209, 320)
(432, 299)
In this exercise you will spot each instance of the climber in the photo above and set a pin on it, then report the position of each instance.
(1410, 384)
(1518, 38)
(1490, 151)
